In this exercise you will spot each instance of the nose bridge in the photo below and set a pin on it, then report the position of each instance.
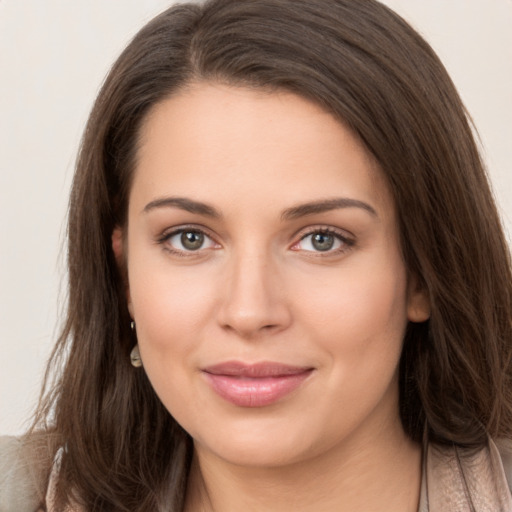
(253, 300)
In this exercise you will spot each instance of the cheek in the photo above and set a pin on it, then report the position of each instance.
(170, 309)
(170, 305)
(360, 314)
(359, 325)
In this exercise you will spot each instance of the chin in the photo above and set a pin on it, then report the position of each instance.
(265, 444)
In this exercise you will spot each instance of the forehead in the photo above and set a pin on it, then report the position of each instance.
(214, 139)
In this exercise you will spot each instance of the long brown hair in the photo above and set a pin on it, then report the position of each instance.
(358, 60)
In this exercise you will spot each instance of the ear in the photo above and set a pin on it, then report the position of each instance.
(418, 301)
(119, 254)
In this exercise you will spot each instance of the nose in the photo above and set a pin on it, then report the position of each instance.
(254, 297)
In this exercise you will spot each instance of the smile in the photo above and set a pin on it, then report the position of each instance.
(255, 385)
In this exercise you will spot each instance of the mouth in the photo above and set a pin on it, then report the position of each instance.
(255, 385)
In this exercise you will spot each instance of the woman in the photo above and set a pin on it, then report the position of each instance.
(289, 288)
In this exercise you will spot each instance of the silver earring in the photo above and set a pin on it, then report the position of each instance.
(132, 325)
(135, 357)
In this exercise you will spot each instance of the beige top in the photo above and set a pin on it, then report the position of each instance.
(454, 480)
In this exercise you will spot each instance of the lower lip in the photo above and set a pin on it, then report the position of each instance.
(255, 392)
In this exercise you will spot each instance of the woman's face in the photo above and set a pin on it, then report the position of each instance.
(265, 276)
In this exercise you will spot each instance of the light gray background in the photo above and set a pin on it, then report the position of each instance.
(53, 57)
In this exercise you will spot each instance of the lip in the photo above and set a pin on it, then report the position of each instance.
(255, 385)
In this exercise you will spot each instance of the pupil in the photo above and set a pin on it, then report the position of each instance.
(192, 240)
(322, 241)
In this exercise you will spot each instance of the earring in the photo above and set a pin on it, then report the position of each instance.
(135, 357)
(135, 354)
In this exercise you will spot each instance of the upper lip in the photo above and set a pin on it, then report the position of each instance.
(255, 370)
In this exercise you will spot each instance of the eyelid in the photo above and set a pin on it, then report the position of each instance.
(168, 233)
(347, 240)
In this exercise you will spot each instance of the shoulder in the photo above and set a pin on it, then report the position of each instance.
(504, 447)
(20, 479)
(481, 479)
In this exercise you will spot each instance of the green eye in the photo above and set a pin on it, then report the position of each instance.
(322, 241)
(192, 240)
(188, 240)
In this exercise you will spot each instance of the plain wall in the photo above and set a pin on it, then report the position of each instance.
(53, 57)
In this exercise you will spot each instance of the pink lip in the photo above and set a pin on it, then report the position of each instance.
(255, 385)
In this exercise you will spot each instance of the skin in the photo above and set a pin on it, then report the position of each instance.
(258, 289)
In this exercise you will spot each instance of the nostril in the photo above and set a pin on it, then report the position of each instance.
(253, 301)
(249, 325)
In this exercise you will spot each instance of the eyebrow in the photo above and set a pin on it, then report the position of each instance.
(294, 212)
(326, 205)
(183, 203)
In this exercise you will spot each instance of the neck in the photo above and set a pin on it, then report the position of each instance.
(381, 473)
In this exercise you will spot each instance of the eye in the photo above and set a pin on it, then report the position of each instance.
(323, 241)
(188, 240)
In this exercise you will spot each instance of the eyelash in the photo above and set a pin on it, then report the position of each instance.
(166, 236)
(346, 243)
